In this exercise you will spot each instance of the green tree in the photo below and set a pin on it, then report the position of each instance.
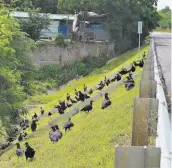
(46, 6)
(165, 18)
(166, 9)
(123, 16)
(35, 24)
(15, 56)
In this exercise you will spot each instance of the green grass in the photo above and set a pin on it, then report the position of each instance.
(48, 101)
(90, 144)
(162, 30)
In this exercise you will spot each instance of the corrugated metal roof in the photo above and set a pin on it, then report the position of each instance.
(51, 16)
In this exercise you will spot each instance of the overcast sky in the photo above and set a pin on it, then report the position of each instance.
(163, 3)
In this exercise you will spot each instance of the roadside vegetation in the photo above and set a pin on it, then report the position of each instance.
(47, 101)
(164, 20)
(90, 143)
(22, 83)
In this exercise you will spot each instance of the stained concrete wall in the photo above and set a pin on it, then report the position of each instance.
(137, 157)
(53, 54)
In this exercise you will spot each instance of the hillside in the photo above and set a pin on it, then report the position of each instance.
(48, 101)
(91, 142)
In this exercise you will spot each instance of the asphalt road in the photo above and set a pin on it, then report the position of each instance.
(162, 42)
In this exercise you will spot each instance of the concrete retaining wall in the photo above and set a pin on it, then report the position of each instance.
(53, 54)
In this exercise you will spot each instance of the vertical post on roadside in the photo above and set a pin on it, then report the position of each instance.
(67, 23)
(139, 32)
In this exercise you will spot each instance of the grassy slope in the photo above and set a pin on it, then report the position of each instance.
(90, 144)
(48, 101)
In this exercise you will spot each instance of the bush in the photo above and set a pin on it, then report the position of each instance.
(59, 40)
(61, 75)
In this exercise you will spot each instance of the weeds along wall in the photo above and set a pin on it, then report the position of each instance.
(50, 54)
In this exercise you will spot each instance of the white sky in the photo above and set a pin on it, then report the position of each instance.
(163, 3)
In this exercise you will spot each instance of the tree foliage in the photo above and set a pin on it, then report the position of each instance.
(16, 65)
(123, 17)
(34, 24)
(15, 56)
(165, 18)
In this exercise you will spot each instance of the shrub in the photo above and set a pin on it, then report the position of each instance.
(59, 40)
(61, 75)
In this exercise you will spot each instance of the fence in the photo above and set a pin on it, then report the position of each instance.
(163, 129)
(150, 119)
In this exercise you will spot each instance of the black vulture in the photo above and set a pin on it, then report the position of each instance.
(77, 98)
(30, 152)
(63, 105)
(85, 88)
(55, 134)
(24, 134)
(5, 145)
(88, 108)
(118, 77)
(68, 104)
(135, 64)
(113, 79)
(24, 123)
(27, 126)
(129, 83)
(60, 111)
(20, 138)
(19, 151)
(35, 117)
(101, 85)
(33, 126)
(132, 69)
(130, 75)
(90, 91)
(73, 101)
(107, 81)
(68, 125)
(57, 129)
(42, 111)
(49, 114)
(106, 102)
(86, 96)
(123, 71)
(16, 130)
(76, 93)
(141, 63)
(67, 97)
(144, 55)
(11, 139)
(81, 96)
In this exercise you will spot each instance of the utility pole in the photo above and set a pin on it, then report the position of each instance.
(140, 23)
